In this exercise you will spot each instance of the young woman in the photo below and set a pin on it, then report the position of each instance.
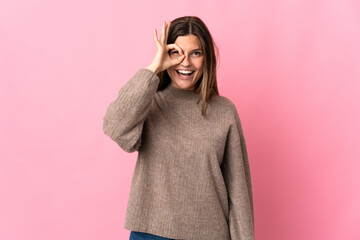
(192, 175)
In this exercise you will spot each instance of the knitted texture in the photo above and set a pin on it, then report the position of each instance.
(192, 175)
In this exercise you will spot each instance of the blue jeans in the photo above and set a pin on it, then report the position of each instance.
(146, 236)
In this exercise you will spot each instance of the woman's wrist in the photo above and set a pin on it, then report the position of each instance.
(153, 69)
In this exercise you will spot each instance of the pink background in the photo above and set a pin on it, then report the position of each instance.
(291, 68)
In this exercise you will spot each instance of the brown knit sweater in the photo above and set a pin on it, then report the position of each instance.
(192, 175)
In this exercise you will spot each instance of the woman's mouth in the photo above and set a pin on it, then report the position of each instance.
(187, 75)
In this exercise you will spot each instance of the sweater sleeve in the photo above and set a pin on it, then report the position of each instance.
(236, 172)
(125, 116)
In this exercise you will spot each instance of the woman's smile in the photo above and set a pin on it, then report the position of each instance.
(185, 74)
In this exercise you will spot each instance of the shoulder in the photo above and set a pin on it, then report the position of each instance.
(224, 103)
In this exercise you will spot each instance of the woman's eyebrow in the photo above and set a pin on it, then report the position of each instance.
(191, 50)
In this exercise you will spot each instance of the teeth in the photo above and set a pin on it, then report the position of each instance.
(185, 72)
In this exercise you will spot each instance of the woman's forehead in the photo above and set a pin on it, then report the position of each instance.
(188, 42)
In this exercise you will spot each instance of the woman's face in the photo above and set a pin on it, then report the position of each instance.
(193, 61)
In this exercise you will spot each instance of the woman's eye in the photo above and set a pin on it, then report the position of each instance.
(194, 53)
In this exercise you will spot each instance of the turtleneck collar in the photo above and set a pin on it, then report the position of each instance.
(180, 93)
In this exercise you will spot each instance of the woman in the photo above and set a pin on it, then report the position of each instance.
(192, 176)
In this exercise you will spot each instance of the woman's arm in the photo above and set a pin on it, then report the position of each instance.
(125, 116)
(236, 172)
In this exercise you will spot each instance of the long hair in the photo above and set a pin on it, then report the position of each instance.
(207, 84)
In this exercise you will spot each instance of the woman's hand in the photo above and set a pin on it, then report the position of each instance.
(162, 60)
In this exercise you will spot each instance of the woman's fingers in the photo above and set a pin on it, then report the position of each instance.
(167, 31)
(163, 33)
(155, 36)
(173, 45)
(156, 40)
(162, 58)
(179, 59)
